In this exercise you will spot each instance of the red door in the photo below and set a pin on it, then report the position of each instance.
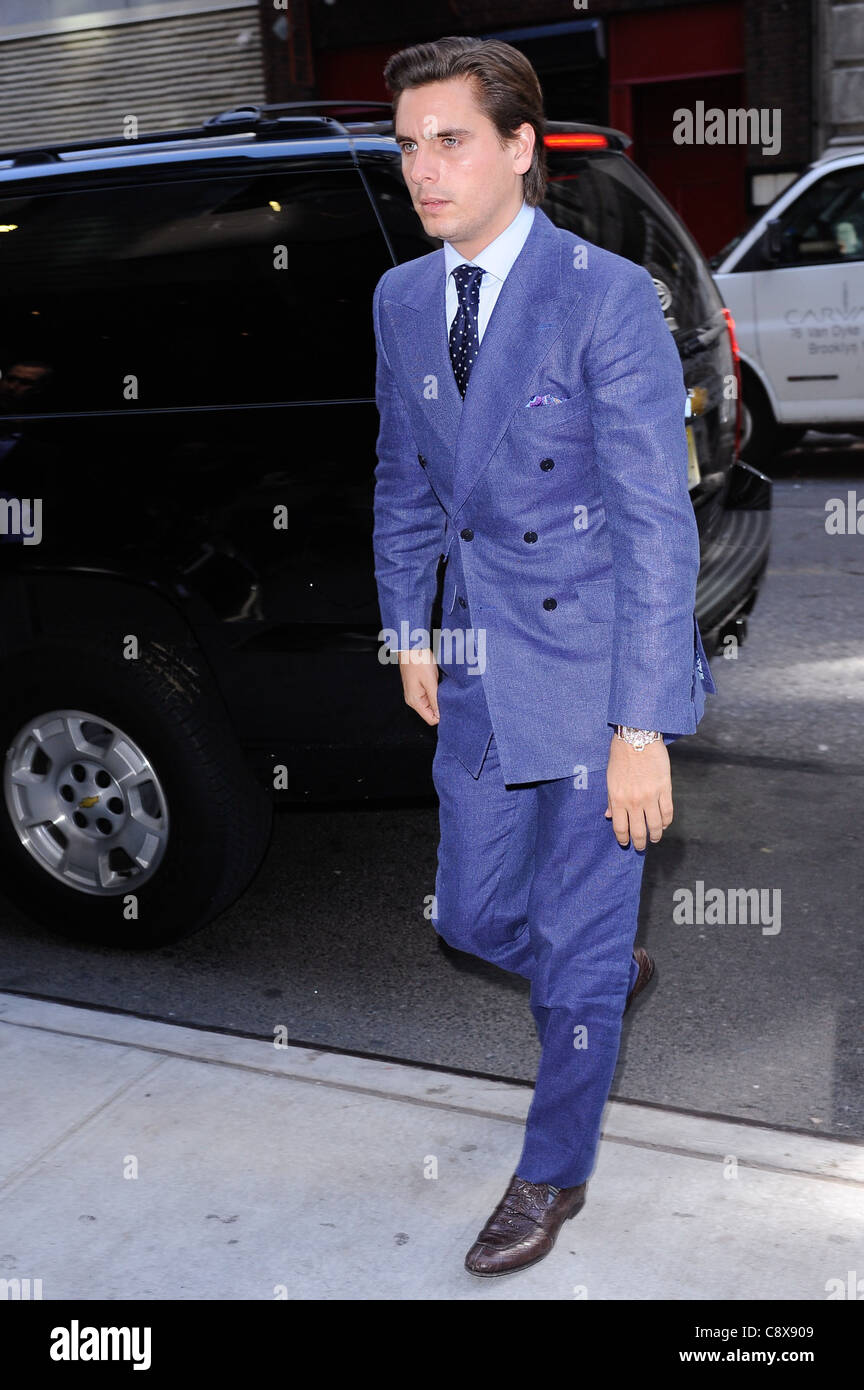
(704, 183)
(664, 60)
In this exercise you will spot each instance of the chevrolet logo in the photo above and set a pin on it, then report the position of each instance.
(88, 801)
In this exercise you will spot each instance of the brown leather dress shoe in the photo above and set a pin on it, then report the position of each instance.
(523, 1227)
(646, 971)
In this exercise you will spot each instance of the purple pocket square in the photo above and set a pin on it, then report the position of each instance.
(545, 400)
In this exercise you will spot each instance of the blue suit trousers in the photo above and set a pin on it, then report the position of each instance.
(531, 877)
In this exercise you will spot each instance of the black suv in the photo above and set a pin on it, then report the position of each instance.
(187, 446)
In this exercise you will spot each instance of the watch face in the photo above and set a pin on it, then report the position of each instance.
(637, 738)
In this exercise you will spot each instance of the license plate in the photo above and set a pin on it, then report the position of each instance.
(693, 474)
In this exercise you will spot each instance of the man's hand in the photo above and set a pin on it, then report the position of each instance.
(639, 783)
(419, 673)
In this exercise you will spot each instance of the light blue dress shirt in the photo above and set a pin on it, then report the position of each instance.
(496, 260)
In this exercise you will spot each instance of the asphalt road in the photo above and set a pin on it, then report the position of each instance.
(331, 941)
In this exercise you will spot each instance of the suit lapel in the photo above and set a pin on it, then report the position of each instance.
(424, 354)
(535, 301)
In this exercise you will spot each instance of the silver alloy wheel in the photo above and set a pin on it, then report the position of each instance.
(85, 802)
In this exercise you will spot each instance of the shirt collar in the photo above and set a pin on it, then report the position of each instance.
(498, 257)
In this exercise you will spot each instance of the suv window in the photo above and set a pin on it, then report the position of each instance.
(826, 224)
(605, 199)
(404, 228)
(205, 292)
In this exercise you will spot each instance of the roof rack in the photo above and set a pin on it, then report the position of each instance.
(278, 121)
(346, 109)
(283, 120)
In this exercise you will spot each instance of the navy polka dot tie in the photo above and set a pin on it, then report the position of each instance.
(464, 337)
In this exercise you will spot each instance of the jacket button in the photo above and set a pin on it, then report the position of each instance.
(546, 464)
(466, 533)
(530, 536)
(421, 460)
(550, 603)
(463, 603)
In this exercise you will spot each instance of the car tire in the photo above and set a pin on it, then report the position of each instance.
(156, 750)
(762, 438)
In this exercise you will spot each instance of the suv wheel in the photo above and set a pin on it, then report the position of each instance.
(129, 815)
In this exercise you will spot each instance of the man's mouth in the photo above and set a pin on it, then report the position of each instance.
(432, 204)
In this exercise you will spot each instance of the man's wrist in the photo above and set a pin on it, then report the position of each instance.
(412, 656)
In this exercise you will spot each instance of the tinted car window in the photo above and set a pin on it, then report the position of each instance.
(404, 228)
(211, 291)
(606, 199)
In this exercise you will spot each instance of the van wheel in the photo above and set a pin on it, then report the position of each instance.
(129, 815)
(761, 436)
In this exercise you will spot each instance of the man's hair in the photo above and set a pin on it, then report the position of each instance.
(506, 89)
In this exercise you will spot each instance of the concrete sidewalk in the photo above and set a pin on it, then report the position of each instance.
(260, 1167)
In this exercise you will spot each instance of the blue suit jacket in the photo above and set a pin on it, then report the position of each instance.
(571, 544)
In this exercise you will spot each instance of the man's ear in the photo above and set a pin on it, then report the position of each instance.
(526, 137)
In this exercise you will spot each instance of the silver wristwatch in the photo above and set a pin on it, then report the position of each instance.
(637, 738)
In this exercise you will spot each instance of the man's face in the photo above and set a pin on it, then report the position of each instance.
(466, 187)
(20, 384)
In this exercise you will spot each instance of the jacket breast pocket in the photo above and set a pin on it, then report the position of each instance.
(567, 414)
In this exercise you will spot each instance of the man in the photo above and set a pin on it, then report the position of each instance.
(531, 404)
(23, 385)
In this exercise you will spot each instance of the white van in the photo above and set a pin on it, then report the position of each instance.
(795, 286)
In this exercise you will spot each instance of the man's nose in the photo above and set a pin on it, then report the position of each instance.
(422, 168)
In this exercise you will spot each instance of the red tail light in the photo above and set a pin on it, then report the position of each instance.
(573, 141)
(736, 358)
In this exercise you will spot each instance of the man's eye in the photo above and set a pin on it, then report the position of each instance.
(453, 139)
